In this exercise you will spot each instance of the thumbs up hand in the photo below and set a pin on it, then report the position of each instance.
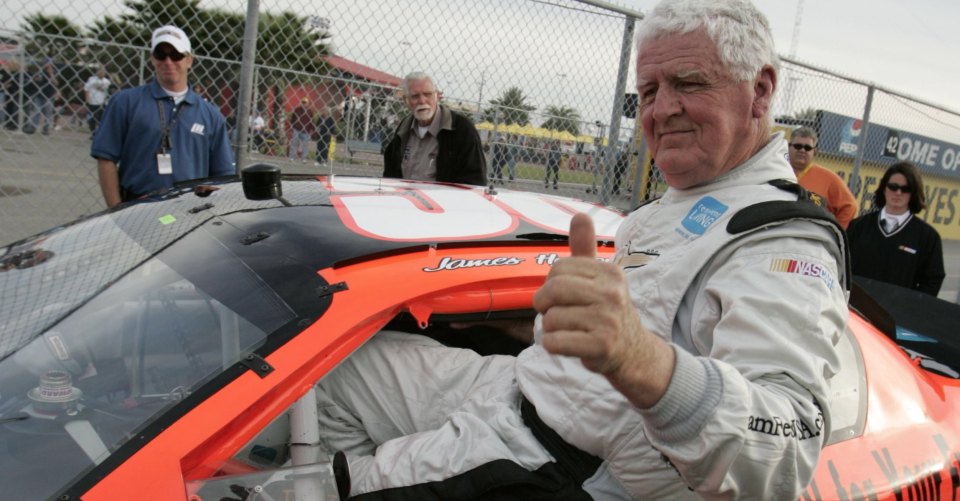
(588, 313)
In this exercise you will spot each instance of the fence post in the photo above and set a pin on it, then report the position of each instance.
(246, 79)
(143, 63)
(641, 169)
(22, 111)
(609, 159)
(854, 183)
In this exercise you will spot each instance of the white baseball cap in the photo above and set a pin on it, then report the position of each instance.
(173, 36)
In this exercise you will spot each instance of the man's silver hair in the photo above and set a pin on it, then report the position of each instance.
(805, 132)
(414, 77)
(738, 29)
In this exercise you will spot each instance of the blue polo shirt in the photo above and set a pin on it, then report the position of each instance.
(129, 135)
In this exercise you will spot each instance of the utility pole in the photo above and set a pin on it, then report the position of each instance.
(403, 68)
(483, 74)
(791, 81)
(563, 88)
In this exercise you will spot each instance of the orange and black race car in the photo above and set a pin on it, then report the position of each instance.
(166, 349)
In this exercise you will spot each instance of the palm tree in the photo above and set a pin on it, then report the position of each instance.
(54, 37)
(562, 118)
(511, 108)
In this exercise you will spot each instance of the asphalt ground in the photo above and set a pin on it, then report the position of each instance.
(49, 180)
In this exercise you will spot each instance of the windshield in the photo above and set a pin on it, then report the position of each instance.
(85, 386)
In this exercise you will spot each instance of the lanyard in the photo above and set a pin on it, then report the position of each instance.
(165, 143)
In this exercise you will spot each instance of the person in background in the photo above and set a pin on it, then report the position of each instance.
(255, 125)
(433, 143)
(554, 156)
(13, 91)
(499, 154)
(160, 133)
(512, 151)
(892, 244)
(820, 180)
(326, 126)
(301, 123)
(6, 84)
(42, 90)
(96, 91)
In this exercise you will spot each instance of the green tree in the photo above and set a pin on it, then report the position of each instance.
(807, 114)
(286, 43)
(54, 36)
(510, 107)
(562, 118)
(289, 51)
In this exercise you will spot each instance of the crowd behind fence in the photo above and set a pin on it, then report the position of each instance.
(540, 80)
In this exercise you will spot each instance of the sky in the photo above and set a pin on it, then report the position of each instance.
(558, 55)
(911, 47)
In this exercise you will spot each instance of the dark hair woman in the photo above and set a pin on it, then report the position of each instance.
(891, 244)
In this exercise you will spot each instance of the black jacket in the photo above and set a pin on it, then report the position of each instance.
(911, 257)
(460, 159)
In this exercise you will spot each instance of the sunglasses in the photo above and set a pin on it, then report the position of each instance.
(902, 188)
(174, 56)
(805, 147)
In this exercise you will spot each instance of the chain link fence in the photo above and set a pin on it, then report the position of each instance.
(543, 81)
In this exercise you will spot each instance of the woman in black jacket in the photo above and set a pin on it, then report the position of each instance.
(892, 244)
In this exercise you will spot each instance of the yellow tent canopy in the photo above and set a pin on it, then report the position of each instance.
(484, 126)
(562, 135)
(528, 130)
(585, 139)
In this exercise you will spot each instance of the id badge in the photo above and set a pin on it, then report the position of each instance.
(164, 164)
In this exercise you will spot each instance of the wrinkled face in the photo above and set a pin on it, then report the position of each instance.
(898, 201)
(172, 75)
(421, 99)
(698, 122)
(800, 158)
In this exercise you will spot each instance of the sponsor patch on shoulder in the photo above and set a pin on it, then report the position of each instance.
(802, 268)
(703, 214)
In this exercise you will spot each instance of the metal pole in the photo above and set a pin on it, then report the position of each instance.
(253, 100)
(480, 99)
(143, 65)
(854, 183)
(610, 160)
(21, 111)
(246, 78)
(638, 178)
(367, 104)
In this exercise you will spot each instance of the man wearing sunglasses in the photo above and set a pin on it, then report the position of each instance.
(161, 133)
(820, 180)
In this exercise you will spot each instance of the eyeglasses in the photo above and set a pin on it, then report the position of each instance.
(174, 56)
(902, 188)
(805, 147)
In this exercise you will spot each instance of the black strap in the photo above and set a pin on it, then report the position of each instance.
(579, 465)
(809, 206)
(165, 142)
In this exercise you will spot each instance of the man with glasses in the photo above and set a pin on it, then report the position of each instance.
(433, 143)
(822, 181)
(157, 134)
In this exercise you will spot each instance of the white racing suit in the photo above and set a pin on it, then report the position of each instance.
(753, 318)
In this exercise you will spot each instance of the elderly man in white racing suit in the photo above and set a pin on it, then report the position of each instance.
(694, 366)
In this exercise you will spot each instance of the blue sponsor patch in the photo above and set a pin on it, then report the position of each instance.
(704, 213)
(909, 335)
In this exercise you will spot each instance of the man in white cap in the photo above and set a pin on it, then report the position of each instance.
(161, 133)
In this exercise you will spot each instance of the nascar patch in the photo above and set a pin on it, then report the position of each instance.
(802, 268)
